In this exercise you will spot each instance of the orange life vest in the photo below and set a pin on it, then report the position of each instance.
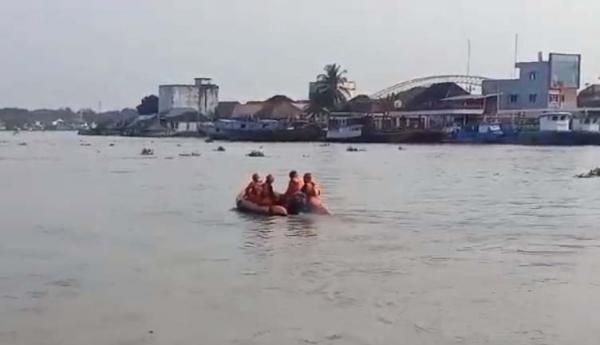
(311, 189)
(294, 186)
(267, 195)
(253, 191)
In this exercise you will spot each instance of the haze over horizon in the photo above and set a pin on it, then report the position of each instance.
(73, 53)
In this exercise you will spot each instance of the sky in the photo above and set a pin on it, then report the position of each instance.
(80, 53)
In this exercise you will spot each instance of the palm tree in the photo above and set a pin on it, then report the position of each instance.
(316, 112)
(331, 90)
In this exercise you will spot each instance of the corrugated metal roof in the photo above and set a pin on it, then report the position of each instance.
(246, 109)
(438, 112)
(470, 97)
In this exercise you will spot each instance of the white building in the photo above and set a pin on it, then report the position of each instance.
(202, 97)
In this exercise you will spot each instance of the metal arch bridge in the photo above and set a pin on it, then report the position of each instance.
(469, 82)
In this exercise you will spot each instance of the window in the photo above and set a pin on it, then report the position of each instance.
(562, 118)
(554, 118)
(562, 98)
(514, 98)
(533, 98)
(532, 75)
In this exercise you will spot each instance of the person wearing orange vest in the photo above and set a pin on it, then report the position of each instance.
(295, 184)
(313, 195)
(310, 188)
(268, 197)
(254, 189)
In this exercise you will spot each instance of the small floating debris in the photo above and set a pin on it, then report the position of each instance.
(193, 154)
(23, 144)
(592, 173)
(178, 145)
(400, 148)
(256, 153)
(220, 149)
(85, 144)
(169, 158)
(111, 144)
(354, 149)
(305, 156)
(209, 140)
(325, 145)
(147, 152)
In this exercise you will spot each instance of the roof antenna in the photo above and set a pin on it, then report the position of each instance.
(469, 57)
(516, 55)
(469, 61)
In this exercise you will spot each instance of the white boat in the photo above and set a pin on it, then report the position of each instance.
(345, 128)
(555, 122)
(586, 124)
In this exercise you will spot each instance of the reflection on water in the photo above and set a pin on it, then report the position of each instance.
(302, 226)
(265, 236)
(295, 226)
(431, 244)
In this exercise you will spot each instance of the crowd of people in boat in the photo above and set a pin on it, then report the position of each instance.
(300, 193)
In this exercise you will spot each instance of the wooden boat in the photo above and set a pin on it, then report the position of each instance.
(553, 129)
(561, 129)
(263, 131)
(361, 129)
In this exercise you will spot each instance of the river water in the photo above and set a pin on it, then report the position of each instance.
(427, 245)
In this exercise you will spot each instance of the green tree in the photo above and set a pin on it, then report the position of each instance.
(148, 106)
(316, 112)
(331, 90)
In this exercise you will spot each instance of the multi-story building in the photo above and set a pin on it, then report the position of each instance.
(542, 85)
(202, 98)
(183, 107)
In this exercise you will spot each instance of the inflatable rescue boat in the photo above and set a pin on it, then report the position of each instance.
(245, 205)
(296, 204)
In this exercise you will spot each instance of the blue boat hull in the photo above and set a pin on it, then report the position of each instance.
(571, 138)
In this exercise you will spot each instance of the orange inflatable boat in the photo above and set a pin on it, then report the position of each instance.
(244, 205)
(295, 205)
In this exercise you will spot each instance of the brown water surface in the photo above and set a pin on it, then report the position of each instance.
(428, 245)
